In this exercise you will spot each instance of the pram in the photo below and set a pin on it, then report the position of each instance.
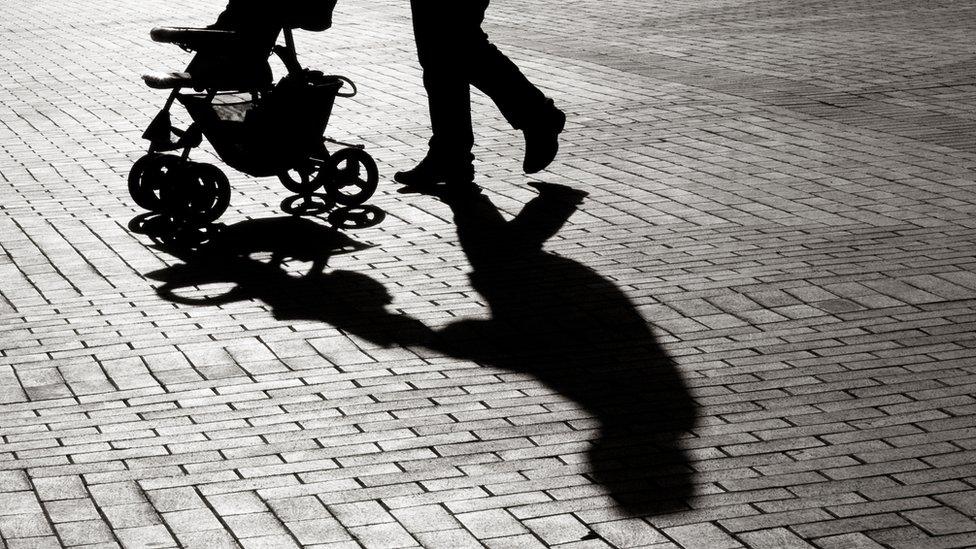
(255, 126)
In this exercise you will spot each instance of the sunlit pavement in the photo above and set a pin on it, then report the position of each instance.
(783, 191)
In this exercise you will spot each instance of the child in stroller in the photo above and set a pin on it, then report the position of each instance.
(255, 126)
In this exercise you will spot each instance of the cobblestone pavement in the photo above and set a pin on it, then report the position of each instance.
(783, 191)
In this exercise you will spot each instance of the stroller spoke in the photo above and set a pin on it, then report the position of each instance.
(356, 177)
(305, 178)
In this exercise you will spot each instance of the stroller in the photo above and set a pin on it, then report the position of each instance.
(256, 126)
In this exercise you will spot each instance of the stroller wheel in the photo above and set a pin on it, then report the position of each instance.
(147, 178)
(355, 177)
(305, 178)
(200, 194)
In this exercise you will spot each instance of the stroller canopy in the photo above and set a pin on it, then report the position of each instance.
(257, 15)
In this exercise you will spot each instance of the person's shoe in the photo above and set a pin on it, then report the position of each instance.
(430, 172)
(542, 140)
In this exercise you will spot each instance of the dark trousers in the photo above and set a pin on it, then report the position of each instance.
(455, 54)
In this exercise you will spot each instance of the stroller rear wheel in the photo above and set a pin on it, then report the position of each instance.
(148, 176)
(199, 194)
(355, 177)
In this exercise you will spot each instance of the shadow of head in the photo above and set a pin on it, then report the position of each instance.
(581, 336)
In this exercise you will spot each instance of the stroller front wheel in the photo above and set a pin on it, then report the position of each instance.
(305, 178)
(147, 178)
(199, 195)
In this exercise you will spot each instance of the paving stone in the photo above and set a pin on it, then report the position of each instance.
(845, 541)
(317, 531)
(130, 516)
(253, 525)
(941, 521)
(236, 503)
(205, 539)
(56, 488)
(24, 526)
(558, 529)
(964, 502)
(175, 499)
(84, 532)
(491, 523)
(360, 513)
(628, 533)
(191, 520)
(145, 536)
(70, 510)
(775, 537)
(445, 539)
(702, 535)
(268, 542)
(298, 508)
(19, 503)
(514, 542)
(426, 518)
(383, 536)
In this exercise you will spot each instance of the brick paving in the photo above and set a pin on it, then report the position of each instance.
(756, 331)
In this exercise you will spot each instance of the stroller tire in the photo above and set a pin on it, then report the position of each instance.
(147, 178)
(198, 195)
(355, 177)
(305, 178)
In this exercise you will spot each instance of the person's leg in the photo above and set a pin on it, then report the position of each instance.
(522, 104)
(439, 28)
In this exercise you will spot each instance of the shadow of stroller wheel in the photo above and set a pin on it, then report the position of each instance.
(149, 223)
(307, 204)
(355, 177)
(168, 233)
(185, 239)
(356, 217)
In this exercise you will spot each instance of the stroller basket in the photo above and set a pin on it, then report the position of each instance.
(265, 134)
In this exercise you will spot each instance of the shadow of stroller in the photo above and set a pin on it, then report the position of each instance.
(551, 318)
(576, 332)
(234, 256)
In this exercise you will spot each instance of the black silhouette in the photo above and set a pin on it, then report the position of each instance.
(454, 53)
(255, 125)
(349, 300)
(579, 334)
(551, 317)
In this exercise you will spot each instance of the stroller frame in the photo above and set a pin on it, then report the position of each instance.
(195, 193)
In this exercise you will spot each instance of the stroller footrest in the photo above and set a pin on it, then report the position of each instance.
(168, 80)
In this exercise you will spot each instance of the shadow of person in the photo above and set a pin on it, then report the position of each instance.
(551, 318)
(580, 335)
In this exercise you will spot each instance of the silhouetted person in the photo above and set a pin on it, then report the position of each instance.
(454, 53)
